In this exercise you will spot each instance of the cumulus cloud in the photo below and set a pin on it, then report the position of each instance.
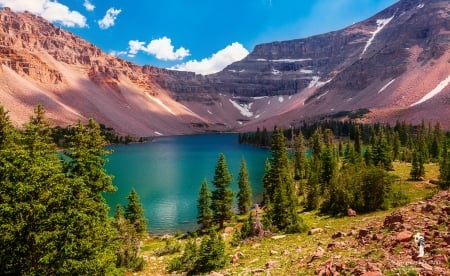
(48, 9)
(88, 5)
(216, 62)
(117, 53)
(109, 19)
(161, 48)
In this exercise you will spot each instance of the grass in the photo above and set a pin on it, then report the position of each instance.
(293, 252)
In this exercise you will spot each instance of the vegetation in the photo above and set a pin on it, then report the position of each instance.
(53, 218)
(222, 196)
(244, 196)
(205, 214)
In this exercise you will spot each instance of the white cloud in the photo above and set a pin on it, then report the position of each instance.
(48, 9)
(117, 53)
(109, 19)
(161, 48)
(216, 62)
(88, 5)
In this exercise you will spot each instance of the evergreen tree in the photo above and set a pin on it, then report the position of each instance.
(417, 166)
(222, 196)
(134, 213)
(129, 243)
(281, 204)
(244, 196)
(358, 143)
(444, 169)
(49, 221)
(300, 160)
(211, 254)
(205, 215)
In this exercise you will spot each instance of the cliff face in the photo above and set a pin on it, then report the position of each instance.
(396, 64)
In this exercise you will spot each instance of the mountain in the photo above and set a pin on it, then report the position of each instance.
(392, 66)
(395, 64)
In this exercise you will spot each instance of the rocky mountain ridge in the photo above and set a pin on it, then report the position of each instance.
(395, 65)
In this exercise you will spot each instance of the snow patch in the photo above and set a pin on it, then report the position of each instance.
(381, 23)
(320, 96)
(232, 70)
(434, 92)
(349, 99)
(257, 116)
(275, 72)
(280, 99)
(160, 103)
(284, 60)
(421, 6)
(305, 71)
(239, 122)
(314, 81)
(243, 109)
(290, 97)
(268, 102)
(242, 71)
(259, 98)
(386, 86)
(158, 133)
(209, 111)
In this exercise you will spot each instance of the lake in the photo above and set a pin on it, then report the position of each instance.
(167, 174)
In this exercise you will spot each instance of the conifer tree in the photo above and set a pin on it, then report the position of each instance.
(211, 254)
(244, 196)
(134, 213)
(281, 208)
(205, 215)
(417, 166)
(300, 160)
(444, 169)
(222, 196)
(358, 143)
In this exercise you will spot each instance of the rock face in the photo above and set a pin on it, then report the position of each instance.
(393, 66)
(386, 64)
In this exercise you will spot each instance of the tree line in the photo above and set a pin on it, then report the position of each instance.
(53, 217)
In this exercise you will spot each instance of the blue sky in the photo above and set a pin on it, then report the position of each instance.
(198, 35)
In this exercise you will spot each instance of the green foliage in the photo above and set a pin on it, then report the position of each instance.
(444, 169)
(417, 166)
(171, 246)
(280, 193)
(222, 196)
(205, 215)
(209, 256)
(129, 243)
(244, 196)
(134, 213)
(52, 221)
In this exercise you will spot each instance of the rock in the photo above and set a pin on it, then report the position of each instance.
(317, 254)
(337, 235)
(372, 273)
(272, 264)
(236, 257)
(315, 231)
(429, 207)
(404, 236)
(278, 237)
(377, 237)
(351, 212)
(273, 252)
(390, 220)
(258, 270)
(446, 210)
(363, 233)
(426, 266)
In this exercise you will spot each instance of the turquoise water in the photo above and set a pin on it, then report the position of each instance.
(167, 174)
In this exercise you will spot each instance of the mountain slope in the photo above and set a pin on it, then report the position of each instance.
(386, 63)
(73, 79)
(395, 64)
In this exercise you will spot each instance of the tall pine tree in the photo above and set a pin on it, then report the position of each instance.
(244, 196)
(205, 215)
(222, 196)
(134, 213)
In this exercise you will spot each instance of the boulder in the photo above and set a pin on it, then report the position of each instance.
(236, 257)
(404, 236)
(272, 264)
(429, 207)
(392, 219)
(351, 212)
(315, 231)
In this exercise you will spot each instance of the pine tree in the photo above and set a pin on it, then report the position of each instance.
(300, 160)
(129, 243)
(444, 169)
(50, 222)
(211, 254)
(134, 213)
(281, 204)
(222, 196)
(205, 215)
(358, 144)
(244, 196)
(417, 166)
